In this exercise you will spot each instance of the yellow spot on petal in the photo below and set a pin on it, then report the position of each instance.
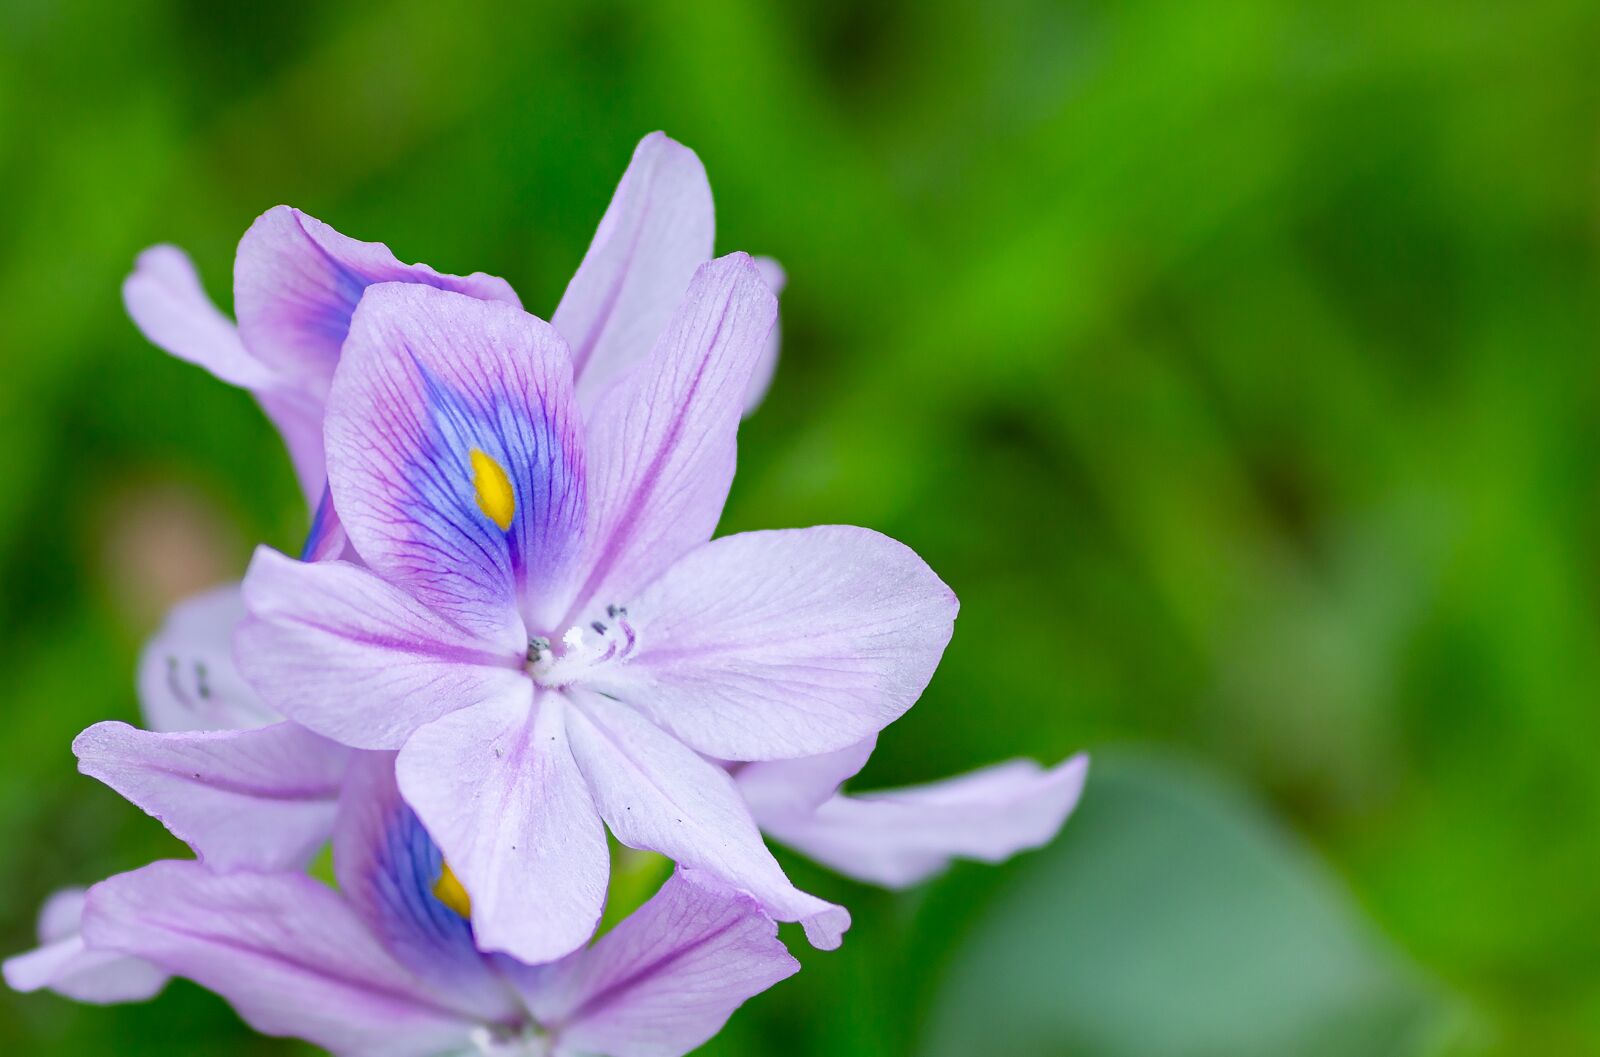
(495, 497)
(449, 890)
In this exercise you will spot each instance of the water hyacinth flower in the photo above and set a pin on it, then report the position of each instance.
(543, 629)
(387, 964)
(199, 777)
(509, 607)
(211, 749)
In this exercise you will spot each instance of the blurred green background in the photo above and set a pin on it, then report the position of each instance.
(1233, 361)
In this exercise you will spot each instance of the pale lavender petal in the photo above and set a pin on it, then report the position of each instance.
(666, 978)
(296, 283)
(283, 949)
(298, 417)
(498, 790)
(899, 838)
(170, 307)
(62, 915)
(63, 964)
(442, 404)
(796, 788)
(187, 679)
(761, 377)
(661, 443)
(656, 794)
(657, 230)
(167, 302)
(768, 645)
(336, 649)
(261, 798)
(387, 867)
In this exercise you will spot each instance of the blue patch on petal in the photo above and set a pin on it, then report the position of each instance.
(532, 454)
(331, 319)
(387, 865)
(407, 866)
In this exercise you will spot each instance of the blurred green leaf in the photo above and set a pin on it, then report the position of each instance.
(1176, 919)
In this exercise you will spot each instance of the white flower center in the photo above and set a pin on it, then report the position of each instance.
(582, 649)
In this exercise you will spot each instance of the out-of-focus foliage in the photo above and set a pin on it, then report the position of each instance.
(1169, 887)
(1233, 361)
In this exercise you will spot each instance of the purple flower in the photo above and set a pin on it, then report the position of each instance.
(297, 282)
(387, 965)
(305, 280)
(545, 631)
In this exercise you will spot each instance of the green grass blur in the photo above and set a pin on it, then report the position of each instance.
(1233, 361)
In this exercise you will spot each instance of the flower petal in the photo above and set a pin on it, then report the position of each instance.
(656, 794)
(498, 790)
(661, 442)
(761, 377)
(261, 798)
(63, 964)
(388, 868)
(298, 418)
(338, 650)
(768, 645)
(187, 679)
(453, 452)
(657, 230)
(904, 836)
(796, 788)
(171, 309)
(283, 949)
(667, 977)
(296, 283)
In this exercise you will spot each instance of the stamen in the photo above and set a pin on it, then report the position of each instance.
(556, 667)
